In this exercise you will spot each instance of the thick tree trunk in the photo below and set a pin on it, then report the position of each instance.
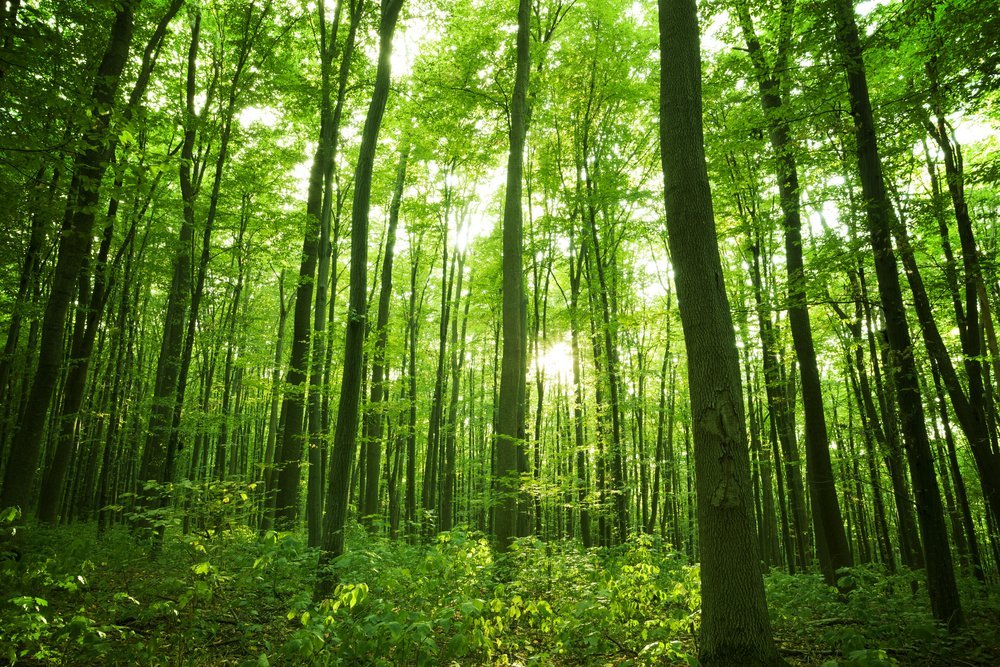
(735, 626)
(92, 304)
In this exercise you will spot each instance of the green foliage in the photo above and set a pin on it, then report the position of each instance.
(238, 597)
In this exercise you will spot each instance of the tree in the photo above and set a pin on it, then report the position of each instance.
(514, 362)
(74, 249)
(831, 541)
(345, 436)
(881, 220)
(735, 626)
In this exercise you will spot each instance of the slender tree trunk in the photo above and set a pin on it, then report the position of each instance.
(345, 437)
(412, 334)
(448, 479)
(289, 459)
(579, 442)
(945, 602)
(273, 424)
(89, 166)
(608, 328)
(780, 417)
(831, 542)
(969, 405)
(374, 417)
(514, 361)
(431, 460)
(659, 462)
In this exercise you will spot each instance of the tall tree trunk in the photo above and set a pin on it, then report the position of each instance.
(345, 437)
(92, 304)
(224, 443)
(412, 334)
(513, 367)
(609, 338)
(735, 626)
(941, 586)
(374, 417)
(431, 459)
(89, 166)
(289, 458)
(660, 470)
(874, 441)
(579, 442)
(273, 423)
(780, 415)
(451, 429)
(831, 542)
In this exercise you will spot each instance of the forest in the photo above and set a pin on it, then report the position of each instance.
(500, 332)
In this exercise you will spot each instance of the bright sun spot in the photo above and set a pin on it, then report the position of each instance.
(556, 361)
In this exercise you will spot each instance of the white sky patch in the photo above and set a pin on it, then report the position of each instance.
(868, 6)
(974, 129)
(300, 173)
(199, 101)
(825, 217)
(637, 13)
(269, 117)
(710, 38)
(969, 130)
(658, 274)
(407, 43)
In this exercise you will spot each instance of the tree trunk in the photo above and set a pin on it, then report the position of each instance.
(831, 542)
(514, 360)
(579, 443)
(89, 166)
(941, 585)
(735, 626)
(781, 420)
(374, 416)
(345, 437)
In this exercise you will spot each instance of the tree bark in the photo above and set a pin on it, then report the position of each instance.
(945, 603)
(345, 437)
(735, 626)
(513, 366)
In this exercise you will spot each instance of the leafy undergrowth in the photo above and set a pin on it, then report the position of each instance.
(237, 598)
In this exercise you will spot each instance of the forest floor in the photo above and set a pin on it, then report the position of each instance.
(237, 598)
